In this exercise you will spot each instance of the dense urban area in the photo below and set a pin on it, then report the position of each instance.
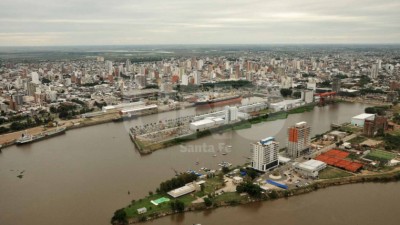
(47, 93)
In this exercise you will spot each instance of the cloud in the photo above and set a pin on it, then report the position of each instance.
(80, 22)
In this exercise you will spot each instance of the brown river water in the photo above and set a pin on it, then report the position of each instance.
(82, 177)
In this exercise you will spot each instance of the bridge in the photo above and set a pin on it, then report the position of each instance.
(326, 97)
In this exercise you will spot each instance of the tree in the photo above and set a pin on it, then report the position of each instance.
(225, 169)
(297, 94)
(177, 206)
(119, 217)
(253, 190)
(285, 92)
(208, 202)
(17, 126)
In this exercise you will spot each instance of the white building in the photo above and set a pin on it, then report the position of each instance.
(142, 210)
(231, 114)
(206, 123)
(35, 78)
(185, 79)
(188, 188)
(286, 105)
(237, 180)
(307, 96)
(359, 120)
(197, 78)
(264, 154)
(309, 168)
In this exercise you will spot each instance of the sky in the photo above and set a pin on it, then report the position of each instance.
(147, 22)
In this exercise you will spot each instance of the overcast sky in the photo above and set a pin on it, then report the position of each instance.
(100, 22)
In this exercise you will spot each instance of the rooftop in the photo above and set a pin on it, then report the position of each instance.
(363, 116)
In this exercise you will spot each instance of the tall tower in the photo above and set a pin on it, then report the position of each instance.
(264, 154)
(374, 71)
(336, 85)
(299, 139)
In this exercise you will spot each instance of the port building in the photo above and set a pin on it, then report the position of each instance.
(264, 154)
(206, 123)
(138, 110)
(299, 139)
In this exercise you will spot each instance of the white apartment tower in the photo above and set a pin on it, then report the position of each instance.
(299, 139)
(264, 154)
(231, 114)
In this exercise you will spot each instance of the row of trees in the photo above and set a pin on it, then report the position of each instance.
(176, 182)
(380, 110)
(26, 123)
(285, 92)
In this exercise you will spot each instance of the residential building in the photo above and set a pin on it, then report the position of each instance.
(299, 139)
(336, 82)
(264, 154)
(376, 126)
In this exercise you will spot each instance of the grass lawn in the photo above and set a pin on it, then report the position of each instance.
(353, 156)
(380, 155)
(212, 184)
(229, 197)
(332, 172)
(350, 129)
(357, 140)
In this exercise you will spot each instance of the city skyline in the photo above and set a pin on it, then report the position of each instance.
(55, 23)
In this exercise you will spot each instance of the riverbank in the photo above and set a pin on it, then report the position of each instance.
(9, 139)
(234, 199)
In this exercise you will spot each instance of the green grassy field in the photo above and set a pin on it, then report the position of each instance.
(231, 197)
(332, 172)
(131, 210)
(380, 155)
(357, 140)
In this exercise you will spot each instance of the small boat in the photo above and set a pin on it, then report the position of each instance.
(214, 155)
(229, 146)
(224, 153)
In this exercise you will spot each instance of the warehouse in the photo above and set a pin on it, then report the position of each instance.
(206, 123)
(309, 168)
(359, 120)
(188, 188)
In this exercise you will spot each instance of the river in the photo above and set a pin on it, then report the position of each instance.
(82, 177)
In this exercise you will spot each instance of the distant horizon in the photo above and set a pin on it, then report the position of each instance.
(194, 44)
(154, 22)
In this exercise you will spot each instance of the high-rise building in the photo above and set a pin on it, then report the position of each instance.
(264, 154)
(307, 96)
(299, 139)
(336, 85)
(128, 65)
(197, 77)
(140, 80)
(374, 71)
(35, 78)
(185, 79)
(231, 114)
